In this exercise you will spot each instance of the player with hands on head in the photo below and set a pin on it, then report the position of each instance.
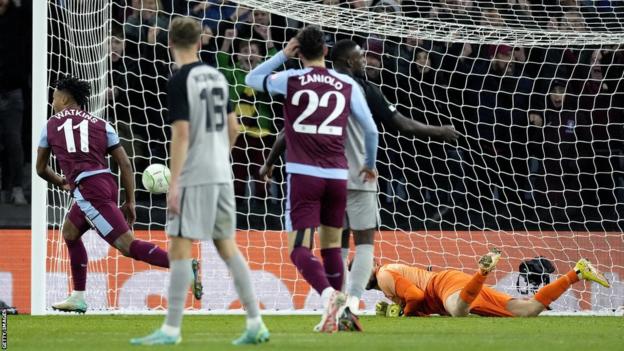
(319, 103)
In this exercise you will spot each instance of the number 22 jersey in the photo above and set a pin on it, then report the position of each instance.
(317, 105)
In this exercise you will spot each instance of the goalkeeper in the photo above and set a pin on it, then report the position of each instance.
(362, 210)
(454, 293)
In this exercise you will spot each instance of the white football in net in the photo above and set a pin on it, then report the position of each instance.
(156, 178)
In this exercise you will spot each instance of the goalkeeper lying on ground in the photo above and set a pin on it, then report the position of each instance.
(454, 293)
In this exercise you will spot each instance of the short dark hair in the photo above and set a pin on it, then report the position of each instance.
(79, 89)
(184, 32)
(341, 49)
(311, 42)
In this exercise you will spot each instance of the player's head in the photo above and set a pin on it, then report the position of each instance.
(347, 54)
(184, 34)
(70, 91)
(372, 281)
(311, 43)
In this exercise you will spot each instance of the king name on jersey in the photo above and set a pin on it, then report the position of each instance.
(78, 113)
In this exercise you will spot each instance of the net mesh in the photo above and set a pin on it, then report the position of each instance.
(534, 87)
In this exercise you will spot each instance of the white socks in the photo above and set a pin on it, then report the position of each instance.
(325, 295)
(253, 323)
(78, 294)
(169, 330)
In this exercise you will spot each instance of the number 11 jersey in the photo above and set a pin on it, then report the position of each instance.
(80, 142)
(198, 93)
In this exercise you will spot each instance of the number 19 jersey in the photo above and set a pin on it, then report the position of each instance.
(198, 93)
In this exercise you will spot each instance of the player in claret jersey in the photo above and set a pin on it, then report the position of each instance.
(318, 103)
(81, 143)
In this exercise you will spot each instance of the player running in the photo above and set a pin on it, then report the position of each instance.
(362, 208)
(454, 293)
(318, 102)
(200, 201)
(81, 143)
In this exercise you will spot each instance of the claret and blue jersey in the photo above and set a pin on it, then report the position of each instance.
(80, 142)
(318, 103)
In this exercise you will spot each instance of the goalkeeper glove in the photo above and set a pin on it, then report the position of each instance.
(394, 310)
(380, 308)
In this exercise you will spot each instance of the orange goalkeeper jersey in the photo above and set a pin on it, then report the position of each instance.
(419, 277)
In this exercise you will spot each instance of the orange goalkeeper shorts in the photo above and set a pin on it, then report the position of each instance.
(490, 302)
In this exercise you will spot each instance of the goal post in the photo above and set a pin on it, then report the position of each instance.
(39, 208)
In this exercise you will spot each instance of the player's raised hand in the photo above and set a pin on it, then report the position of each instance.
(370, 175)
(448, 133)
(266, 172)
(173, 199)
(129, 210)
(292, 48)
(65, 185)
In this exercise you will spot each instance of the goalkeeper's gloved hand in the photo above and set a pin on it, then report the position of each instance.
(380, 308)
(394, 310)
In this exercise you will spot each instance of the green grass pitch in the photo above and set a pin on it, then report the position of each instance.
(212, 332)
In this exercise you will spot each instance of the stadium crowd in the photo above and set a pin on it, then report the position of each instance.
(543, 127)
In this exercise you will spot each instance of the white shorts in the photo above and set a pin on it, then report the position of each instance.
(207, 212)
(362, 210)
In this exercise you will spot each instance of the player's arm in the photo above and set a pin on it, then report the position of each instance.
(127, 182)
(233, 128)
(43, 169)
(417, 129)
(266, 171)
(126, 175)
(261, 79)
(389, 116)
(412, 296)
(179, 116)
(178, 151)
(364, 117)
(46, 172)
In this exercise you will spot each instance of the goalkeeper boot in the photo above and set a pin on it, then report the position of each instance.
(488, 262)
(585, 270)
(156, 338)
(74, 303)
(198, 289)
(253, 336)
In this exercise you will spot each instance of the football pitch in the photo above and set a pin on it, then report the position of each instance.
(213, 332)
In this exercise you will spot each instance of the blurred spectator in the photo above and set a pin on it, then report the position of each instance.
(261, 25)
(252, 107)
(503, 119)
(146, 45)
(213, 12)
(557, 145)
(13, 78)
(148, 24)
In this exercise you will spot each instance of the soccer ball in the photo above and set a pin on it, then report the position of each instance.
(156, 178)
